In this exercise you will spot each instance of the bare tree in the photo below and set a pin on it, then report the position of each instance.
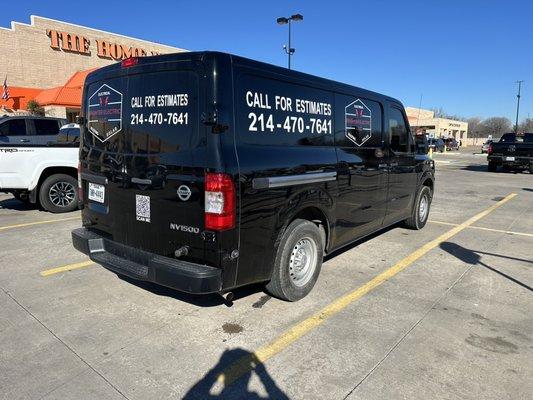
(495, 126)
(440, 113)
(526, 125)
(474, 128)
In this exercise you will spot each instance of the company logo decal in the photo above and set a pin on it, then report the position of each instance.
(105, 113)
(358, 122)
(184, 192)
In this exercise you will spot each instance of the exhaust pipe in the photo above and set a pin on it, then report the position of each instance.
(229, 296)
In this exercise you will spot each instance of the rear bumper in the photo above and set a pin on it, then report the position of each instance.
(145, 266)
(517, 162)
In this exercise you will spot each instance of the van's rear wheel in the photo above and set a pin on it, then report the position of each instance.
(58, 193)
(298, 261)
(420, 213)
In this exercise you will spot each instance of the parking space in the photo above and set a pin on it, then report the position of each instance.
(445, 312)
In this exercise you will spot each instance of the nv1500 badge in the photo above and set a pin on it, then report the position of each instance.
(184, 228)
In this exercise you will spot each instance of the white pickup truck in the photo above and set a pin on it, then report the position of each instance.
(36, 170)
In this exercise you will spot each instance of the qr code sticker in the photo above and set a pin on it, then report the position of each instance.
(142, 207)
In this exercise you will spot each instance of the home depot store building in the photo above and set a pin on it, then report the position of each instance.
(48, 60)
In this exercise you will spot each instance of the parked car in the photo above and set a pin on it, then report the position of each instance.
(29, 130)
(511, 152)
(265, 169)
(69, 133)
(452, 144)
(485, 146)
(436, 144)
(40, 169)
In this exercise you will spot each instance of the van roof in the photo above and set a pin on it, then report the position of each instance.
(234, 59)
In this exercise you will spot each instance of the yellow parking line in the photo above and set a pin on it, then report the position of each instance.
(246, 363)
(2, 228)
(485, 229)
(69, 267)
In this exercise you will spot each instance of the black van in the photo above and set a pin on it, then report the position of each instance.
(205, 171)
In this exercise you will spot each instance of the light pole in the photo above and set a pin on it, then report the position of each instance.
(284, 20)
(517, 105)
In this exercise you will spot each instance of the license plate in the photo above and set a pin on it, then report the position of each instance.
(509, 158)
(96, 192)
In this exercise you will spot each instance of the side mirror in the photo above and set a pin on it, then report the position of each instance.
(422, 146)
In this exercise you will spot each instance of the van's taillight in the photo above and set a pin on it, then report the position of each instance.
(489, 150)
(80, 186)
(129, 62)
(219, 202)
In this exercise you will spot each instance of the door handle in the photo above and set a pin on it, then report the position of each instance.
(393, 164)
(24, 140)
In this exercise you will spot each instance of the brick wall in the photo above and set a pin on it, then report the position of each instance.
(28, 60)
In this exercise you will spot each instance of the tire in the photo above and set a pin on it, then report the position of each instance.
(492, 166)
(289, 282)
(531, 168)
(58, 193)
(420, 213)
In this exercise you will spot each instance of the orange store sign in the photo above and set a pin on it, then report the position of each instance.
(79, 44)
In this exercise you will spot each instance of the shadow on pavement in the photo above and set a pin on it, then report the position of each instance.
(14, 204)
(237, 389)
(472, 257)
(528, 189)
(203, 300)
(475, 168)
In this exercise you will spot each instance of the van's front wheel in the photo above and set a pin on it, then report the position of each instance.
(298, 261)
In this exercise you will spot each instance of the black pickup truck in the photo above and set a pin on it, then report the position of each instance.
(512, 151)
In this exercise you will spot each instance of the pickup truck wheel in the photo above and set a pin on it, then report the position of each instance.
(420, 212)
(492, 166)
(58, 193)
(298, 261)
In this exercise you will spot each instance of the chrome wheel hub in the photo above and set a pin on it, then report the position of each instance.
(62, 194)
(303, 260)
(423, 209)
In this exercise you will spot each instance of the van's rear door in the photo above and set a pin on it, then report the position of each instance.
(143, 155)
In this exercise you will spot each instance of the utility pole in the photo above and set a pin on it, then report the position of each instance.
(518, 105)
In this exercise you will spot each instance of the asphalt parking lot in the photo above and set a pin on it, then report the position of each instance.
(445, 312)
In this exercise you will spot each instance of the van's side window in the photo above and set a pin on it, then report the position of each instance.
(399, 135)
(359, 122)
(278, 113)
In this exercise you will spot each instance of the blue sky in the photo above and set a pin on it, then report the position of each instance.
(463, 56)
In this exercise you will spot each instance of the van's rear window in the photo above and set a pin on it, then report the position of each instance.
(144, 113)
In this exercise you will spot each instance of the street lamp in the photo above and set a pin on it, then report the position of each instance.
(517, 105)
(284, 20)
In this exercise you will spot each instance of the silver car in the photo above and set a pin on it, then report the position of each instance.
(485, 146)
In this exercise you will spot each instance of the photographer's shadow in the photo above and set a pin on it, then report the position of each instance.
(230, 377)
